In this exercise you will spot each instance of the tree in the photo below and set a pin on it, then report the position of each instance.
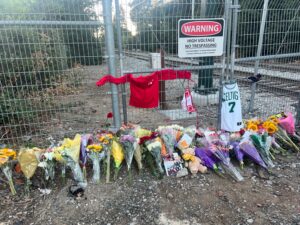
(83, 42)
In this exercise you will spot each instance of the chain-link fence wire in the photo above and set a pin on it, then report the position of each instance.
(52, 54)
(278, 89)
(50, 57)
(152, 27)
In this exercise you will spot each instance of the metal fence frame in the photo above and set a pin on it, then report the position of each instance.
(227, 65)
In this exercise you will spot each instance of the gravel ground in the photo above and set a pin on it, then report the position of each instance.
(203, 199)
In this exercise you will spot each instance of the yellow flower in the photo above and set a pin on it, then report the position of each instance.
(252, 126)
(275, 120)
(3, 159)
(271, 125)
(101, 138)
(95, 148)
(110, 136)
(8, 152)
(266, 124)
(272, 128)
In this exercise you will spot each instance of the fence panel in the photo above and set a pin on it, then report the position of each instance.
(152, 27)
(51, 55)
(278, 89)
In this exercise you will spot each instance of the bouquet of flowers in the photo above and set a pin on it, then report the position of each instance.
(118, 155)
(128, 142)
(28, 159)
(46, 161)
(222, 154)
(286, 131)
(68, 155)
(86, 140)
(96, 154)
(239, 154)
(247, 148)
(263, 144)
(154, 147)
(6, 160)
(106, 142)
(168, 136)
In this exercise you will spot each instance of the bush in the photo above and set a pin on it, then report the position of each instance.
(31, 59)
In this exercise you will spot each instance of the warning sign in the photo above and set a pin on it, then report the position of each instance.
(199, 38)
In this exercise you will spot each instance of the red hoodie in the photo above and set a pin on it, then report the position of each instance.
(144, 90)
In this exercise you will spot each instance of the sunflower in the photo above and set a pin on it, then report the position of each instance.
(95, 148)
(252, 126)
(8, 152)
(272, 128)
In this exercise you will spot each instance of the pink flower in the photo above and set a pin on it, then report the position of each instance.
(288, 123)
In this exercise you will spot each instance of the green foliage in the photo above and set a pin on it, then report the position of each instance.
(30, 59)
(157, 26)
(34, 60)
(82, 43)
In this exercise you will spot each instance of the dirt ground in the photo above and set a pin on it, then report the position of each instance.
(204, 199)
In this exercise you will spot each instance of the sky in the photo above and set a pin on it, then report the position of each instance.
(125, 4)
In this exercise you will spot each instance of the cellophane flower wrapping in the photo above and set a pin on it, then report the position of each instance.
(128, 143)
(223, 156)
(117, 153)
(138, 155)
(282, 136)
(168, 136)
(251, 152)
(68, 154)
(206, 159)
(28, 161)
(47, 163)
(288, 123)
(8, 174)
(154, 147)
(96, 158)
(263, 144)
(239, 154)
(86, 140)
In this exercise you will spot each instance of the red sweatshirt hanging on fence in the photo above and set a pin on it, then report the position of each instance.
(144, 90)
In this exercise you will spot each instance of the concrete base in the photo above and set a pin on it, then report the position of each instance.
(177, 114)
(205, 100)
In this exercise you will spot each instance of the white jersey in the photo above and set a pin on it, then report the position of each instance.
(231, 117)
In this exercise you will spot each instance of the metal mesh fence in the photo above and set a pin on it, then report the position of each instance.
(152, 27)
(51, 56)
(52, 53)
(278, 62)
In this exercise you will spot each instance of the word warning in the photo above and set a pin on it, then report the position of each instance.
(199, 38)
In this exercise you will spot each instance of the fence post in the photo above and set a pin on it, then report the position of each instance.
(118, 25)
(233, 37)
(298, 112)
(258, 53)
(223, 62)
(110, 49)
